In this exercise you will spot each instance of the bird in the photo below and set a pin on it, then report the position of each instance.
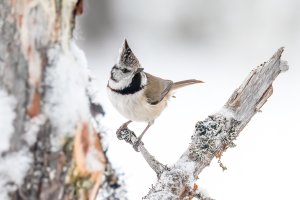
(136, 94)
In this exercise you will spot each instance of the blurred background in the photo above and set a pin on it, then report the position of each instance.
(218, 42)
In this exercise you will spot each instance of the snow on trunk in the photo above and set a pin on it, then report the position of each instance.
(50, 144)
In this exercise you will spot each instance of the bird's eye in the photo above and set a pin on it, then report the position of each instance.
(124, 70)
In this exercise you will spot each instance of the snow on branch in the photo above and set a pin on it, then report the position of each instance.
(217, 132)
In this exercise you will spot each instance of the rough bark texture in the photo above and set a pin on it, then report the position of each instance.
(35, 41)
(215, 134)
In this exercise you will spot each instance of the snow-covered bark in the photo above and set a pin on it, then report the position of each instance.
(213, 135)
(50, 141)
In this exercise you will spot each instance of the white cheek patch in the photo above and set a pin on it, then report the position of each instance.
(117, 75)
(123, 83)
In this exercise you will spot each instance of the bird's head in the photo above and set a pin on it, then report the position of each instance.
(127, 65)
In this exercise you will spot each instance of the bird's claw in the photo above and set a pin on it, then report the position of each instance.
(124, 126)
(121, 129)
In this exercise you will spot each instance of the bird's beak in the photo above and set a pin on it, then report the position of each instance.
(139, 70)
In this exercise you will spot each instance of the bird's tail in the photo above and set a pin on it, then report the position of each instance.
(184, 83)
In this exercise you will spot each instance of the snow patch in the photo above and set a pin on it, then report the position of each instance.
(32, 128)
(66, 102)
(185, 165)
(227, 113)
(188, 167)
(7, 116)
(13, 168)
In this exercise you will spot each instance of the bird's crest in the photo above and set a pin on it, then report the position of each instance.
(127, 57)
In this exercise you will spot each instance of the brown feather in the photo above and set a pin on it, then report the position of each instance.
(156, 88)
(184, 83)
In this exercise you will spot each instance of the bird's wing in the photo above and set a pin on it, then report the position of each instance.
(157, 88)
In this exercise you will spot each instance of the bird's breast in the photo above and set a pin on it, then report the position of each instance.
(135, 106)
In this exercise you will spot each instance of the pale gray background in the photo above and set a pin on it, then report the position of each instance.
(218, 42)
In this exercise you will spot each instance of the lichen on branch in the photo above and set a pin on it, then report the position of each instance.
(213, 135)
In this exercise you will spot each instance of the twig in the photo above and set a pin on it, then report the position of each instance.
(130, 137)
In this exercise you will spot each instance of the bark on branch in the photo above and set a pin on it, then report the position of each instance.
(217, 132)
(130, 137)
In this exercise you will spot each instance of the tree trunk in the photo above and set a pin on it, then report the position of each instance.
(50, 147)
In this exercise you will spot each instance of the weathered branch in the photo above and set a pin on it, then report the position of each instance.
(130, 137)
(217, 132)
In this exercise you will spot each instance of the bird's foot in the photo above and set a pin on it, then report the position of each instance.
(123, 133)
(137, 144)
(124, 126)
